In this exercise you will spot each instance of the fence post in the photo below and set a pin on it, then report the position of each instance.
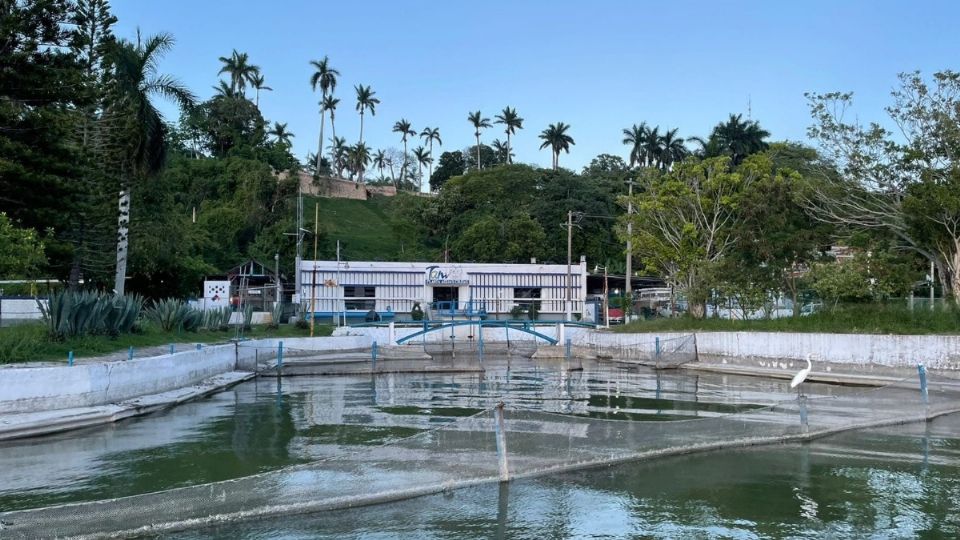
(373, 356)
(279, 357)
(393, 333)
(568, 346)
(70, 358)
(922, 371)
(501, 442)
(172, 349)
(199, 346)
(804, 422)
(130, 353)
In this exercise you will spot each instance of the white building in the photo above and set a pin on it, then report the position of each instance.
(351, 289)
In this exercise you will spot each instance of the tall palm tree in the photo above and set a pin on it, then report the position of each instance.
(329, 104)
(423, 158)
(555, 136)
(338, 154)
(479, 123)
(738, 139)
(240, 70)
(280, 132)
(405, 130)
(651, 148)
(223, 89)
(359, 156)
(325, 77)
(257, 81)
(634, 137)
(430, 135)
(380, 161)
(365, 100)
(672, 148)
(502, 150)
(138, 135)
(512, 122)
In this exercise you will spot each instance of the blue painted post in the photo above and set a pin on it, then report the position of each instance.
(70, 358)
(804, 423)
(480, 339)
(922, 371)
(172, 349)
(279, 357)
(568, 349)
(130, 353)
(501, 443)
(199, 346)
(373, 355)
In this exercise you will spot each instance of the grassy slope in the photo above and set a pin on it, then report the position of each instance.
(363, 228)
(28, 343)
(852, 319)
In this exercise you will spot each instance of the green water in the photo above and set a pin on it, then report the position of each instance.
(890, 483)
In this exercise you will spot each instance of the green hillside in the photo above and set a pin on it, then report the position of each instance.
(378, 229)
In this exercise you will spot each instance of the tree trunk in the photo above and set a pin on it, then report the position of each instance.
(403, 171)
(431, 162)
(320, 145)
(361, 126)
(508, 147)
(123, 232)
(478, 150)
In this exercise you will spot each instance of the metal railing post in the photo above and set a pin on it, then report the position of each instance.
(70, 358)
(568, 345)
(922, 371)
(130, 353)
(501, 442)
(279, 357)
(373, 356)
(804, 420)
(172, 349)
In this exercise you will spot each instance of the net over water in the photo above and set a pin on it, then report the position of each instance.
(489, 446)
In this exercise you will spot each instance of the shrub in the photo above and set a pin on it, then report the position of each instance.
(172, 314)
(276, 316)
(518, 311)
(74, 314)
(416, 313)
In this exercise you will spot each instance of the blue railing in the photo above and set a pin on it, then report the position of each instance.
(519, 326)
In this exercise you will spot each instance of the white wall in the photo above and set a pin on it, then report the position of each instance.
(20, 309)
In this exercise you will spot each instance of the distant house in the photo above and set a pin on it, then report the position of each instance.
(251, 283)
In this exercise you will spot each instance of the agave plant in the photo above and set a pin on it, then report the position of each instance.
(172, 314)
(74, 314)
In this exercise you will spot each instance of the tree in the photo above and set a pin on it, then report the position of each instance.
(903, 185)
(430, 135)
(511, 122)
(502, 151)
(325, 77)
(226, 124)
(635, 137)
(672, 148)
(281, 134)
(405, 130)
(449, 165)
(422, 156)
(380, 161)
(329, 104)
(555, 136)
(358, 157)
(479, 123)
(488, 157)
(259, 83)
(338, 154)
(133, 124)
(736, 139)
(239, 69)
(22, 251)
(365, 100)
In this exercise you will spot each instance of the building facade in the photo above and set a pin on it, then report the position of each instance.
(351, 290)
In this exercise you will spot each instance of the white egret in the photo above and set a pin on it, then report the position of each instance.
(801, 376)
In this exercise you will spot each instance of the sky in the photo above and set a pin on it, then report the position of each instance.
(599, 66)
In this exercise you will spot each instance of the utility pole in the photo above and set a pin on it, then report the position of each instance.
(298, 280)
(338, 300)
(569, 307)
(313, 289)
(629, 286)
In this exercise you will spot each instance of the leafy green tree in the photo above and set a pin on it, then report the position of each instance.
(736, 139)
(556, 137)
(365, 100)
(450, 164)
(511, 122)
(22, 251)
(479, 123)
(489, 239)
(227, 123)
(488, 157)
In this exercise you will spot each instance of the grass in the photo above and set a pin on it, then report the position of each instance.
(29, 342)
(844, 319)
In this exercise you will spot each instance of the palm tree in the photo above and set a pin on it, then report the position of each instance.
(555, 136)
(634, 137)
(512, 122)
(359, 156)
(329, 104)
(651, 148)
(423, 158)
(738, 139)
(430, 135)
(223, 90)
(405, 130)
(133, 82)
(502, 151)
(365, 100)
(325, 77)
(240, 69)
(380, 161)
(338, 154)
(479, 123)
(257, 81)
(672, 148)
(280, 133)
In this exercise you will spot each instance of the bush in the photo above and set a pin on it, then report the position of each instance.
(74, 314)
(217, 319)
(172, 314)
(518, 311)
(416, 313)
(275, 316)
(302, 324)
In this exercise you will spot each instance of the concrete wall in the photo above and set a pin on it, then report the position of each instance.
(461, 333)
(33, 389)
(20, 309)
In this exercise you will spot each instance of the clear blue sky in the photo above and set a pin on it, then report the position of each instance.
(599, 66)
